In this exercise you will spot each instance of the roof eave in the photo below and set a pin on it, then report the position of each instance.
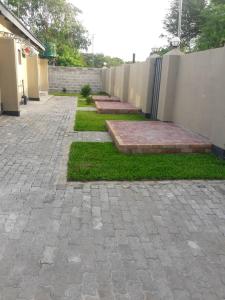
(14, 20)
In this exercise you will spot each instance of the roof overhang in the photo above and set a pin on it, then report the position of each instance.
(18, 24)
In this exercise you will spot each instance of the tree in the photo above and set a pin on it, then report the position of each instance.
(68, 56)
(162, 51)
(98, 60)
(113, 61)
(216, 2)
(53, 21)
(212, 33)
(191, 20)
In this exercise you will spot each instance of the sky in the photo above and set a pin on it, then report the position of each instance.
(123, 27)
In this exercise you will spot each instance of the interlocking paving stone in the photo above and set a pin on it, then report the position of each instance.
(104, 240)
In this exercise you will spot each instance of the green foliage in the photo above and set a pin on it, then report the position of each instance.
(82, 102)
(161, 51)
(102, 161)
(68, 56)
(92, 121)
(64, 94)
(85, 90)
(191, 20)
(203, 24)
(216, 2)
(89, 100)
(54, 21)
(213, 28)
(113, 61)
(98, 60)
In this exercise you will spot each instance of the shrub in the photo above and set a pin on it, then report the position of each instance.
(85, 90)
(89, 100)
(101, 93)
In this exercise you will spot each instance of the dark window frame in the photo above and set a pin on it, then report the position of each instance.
(19, 57)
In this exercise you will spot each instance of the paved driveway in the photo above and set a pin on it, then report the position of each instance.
(91, 241)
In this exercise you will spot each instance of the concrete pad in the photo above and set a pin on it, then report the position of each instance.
(105, 107)
(155, 137)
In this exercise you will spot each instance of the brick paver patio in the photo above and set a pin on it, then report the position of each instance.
(105, 98)
(105, 107)
(155, 137)
(92, 241)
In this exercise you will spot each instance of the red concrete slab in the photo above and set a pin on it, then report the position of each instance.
(105, 107)
(105, 98)
(155, 137)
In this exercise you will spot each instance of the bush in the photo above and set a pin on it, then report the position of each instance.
(86, 90)
(89, 100)
(101, 93)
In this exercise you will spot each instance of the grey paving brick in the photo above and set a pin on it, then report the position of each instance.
(119, 282)
(99, 240)
(89, 284)
(48, 255)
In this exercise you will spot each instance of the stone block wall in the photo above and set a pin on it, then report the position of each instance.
(73, 78)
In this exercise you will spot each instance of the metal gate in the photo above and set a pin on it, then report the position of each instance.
(156, 88)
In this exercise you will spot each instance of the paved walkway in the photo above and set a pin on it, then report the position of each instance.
(92, 241)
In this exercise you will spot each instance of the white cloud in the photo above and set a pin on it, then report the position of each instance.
(124, 27)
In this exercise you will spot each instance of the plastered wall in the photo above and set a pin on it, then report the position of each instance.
(22, 81)
(132, 83)
(199, 102)
(43, 74)
(9, 76)
(33, 77)
(140, 85)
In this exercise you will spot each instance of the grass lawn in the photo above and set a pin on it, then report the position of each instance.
(102, 161)
(82, 102)
(65, 94)
(92, 121)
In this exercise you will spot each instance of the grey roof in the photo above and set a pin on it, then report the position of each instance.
(18, 24)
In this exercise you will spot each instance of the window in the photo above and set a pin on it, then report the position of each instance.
(19, 57)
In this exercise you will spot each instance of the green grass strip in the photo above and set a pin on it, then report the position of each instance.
(93, 121)
(102, 161)
(65, 94)
(83, 103)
